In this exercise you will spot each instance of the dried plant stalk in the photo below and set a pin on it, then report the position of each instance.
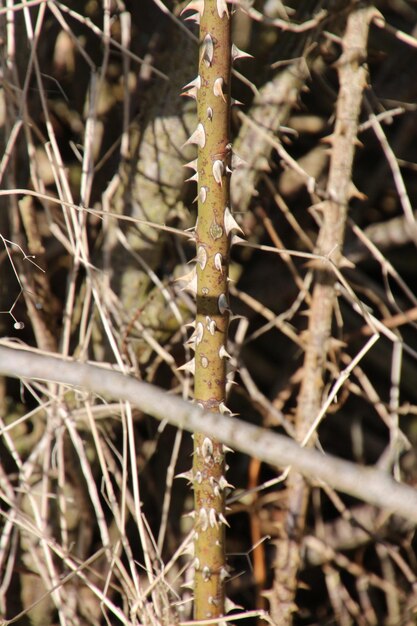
(214, 224)
(353, 79)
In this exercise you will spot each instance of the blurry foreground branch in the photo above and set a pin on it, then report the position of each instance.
(368, 484)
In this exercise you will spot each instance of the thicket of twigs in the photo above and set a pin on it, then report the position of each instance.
(94, 234)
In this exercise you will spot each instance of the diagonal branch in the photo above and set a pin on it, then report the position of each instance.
(366, 483)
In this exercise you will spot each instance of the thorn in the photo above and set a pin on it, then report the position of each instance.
(224, 410)
(198, 137)
(239, 54)
(228, 386)
(211, 325)
(203, 517)
(195, 17)
(224, 574)
(213, 519)
(218, 260)
(209, 113)
(192, 165)
(223, 520)
(188, 367)
(192, 87)
(337, 344)
(328, 139)
(190, 281)
(227, 449)
(194, 83)
(192, 235)
(345, 263)
(354, 192)
(222, 8)
(223, 353)
(207, 449)
(199, 332)
(202, 257)
(191, 286)
(223, 484)
(236, 239)
(208, 50)
(193, 178)
(206, 573)
(235, 102)
(218, 170)
(190, 342)
(230, 223)
(203, 194)
(191, 93)
(194, 5)
(187, 475)
(218, 88)
(222, 304)
(186, 278)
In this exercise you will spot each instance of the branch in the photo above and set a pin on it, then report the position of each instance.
(365, 483)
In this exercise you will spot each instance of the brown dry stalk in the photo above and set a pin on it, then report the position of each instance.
(208, 280)
(352, 81)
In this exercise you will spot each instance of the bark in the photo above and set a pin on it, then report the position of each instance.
(212, 233)
(352, 82)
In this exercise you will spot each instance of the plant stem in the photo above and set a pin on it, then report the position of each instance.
(212, 91)
(352, 81)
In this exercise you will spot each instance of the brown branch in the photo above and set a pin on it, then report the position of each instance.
(352, 79)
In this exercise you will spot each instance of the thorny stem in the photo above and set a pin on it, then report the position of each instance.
(214, 224)
(352, 79)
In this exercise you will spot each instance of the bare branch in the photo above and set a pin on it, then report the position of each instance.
(366, 483)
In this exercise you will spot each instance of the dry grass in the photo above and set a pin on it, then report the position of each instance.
(94, 528)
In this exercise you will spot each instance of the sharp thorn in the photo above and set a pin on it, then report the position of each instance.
(239, 54)
(194, 5)
(198, 137)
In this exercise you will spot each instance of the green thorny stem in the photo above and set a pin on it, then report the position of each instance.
(208, 280)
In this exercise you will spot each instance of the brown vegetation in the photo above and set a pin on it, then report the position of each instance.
(97, 231)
